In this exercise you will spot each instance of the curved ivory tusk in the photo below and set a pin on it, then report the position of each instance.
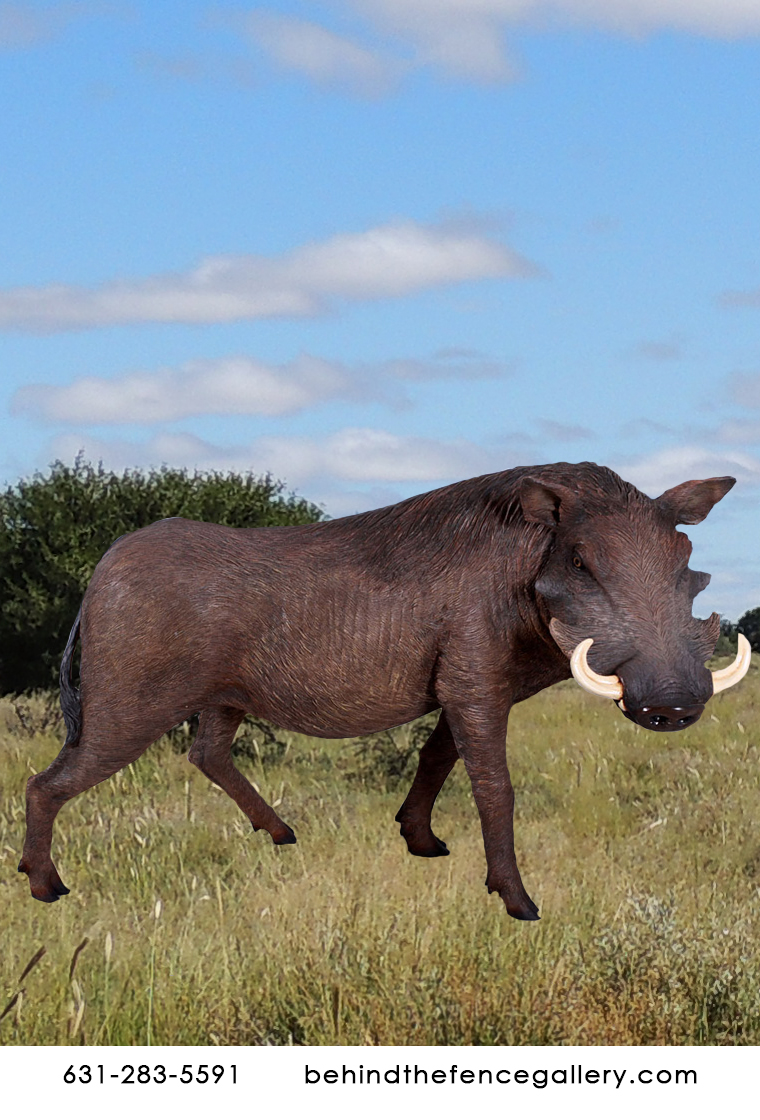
(733, 673)
(609, 687)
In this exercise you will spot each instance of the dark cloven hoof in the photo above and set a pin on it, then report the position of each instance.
(420, 841)
(524, 915)
(52, 894)
(430, 853)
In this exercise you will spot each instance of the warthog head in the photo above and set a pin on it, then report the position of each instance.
(617, 592)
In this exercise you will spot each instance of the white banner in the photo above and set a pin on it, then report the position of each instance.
(120, 1083)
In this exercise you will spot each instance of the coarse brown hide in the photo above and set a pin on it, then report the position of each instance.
(467, 599)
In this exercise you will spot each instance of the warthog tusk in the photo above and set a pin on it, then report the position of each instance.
(734, 672)
(609, 687)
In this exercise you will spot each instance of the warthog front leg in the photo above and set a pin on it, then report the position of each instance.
(480, 740)
(437, 759)
(212, 754)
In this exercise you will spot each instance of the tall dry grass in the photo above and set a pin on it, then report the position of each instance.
(185, 927)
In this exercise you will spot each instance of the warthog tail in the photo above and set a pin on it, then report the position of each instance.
(70, 704)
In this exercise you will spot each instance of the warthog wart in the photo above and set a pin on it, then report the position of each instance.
(466, 600)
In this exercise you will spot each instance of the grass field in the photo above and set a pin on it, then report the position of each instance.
(185, 927)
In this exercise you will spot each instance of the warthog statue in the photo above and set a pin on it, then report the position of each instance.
(467, 599)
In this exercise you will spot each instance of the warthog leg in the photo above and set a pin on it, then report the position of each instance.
(437, 759)
(480, 741)
(76, 769)
(212, 754)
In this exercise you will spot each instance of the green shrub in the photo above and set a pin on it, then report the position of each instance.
(256, 740)
(749, 625)
(388, 759)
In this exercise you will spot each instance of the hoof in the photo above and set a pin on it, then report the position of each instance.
(429, 851)
(288, 837)
(48, 897)
(49, 892)
(45, 888)
(518, 903)
(524, 915)
(422, 841)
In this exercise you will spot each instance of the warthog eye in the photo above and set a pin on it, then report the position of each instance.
(577, 562)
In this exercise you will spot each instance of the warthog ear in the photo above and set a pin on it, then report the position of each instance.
(705, 632)
(698, 581)
(691, 502)
(547, 504)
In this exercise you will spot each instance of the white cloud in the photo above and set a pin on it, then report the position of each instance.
(565, 433)
(658, 350)
(466, 38)
(21, 26)
(28, 25)
(223, 387)
(449, 365)
(724, 19)
(240, 386)
(737, 298)
(371, 455)
(739, 431)
(185, 68)
(321, 55)
(357, 455)
(643, 427)
(745, 389)
(195, 68)
(672, 465)
(384, 262)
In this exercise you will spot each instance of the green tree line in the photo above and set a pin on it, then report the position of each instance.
(55, 527)
(748, 625)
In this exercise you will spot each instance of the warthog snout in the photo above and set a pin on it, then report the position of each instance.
(652, 716)
(665, 719)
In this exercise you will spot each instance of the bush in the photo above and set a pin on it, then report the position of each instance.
(54, 529)
(749, 625)
(727, 641)
(256, 740)
(388, 759)
(30, 715)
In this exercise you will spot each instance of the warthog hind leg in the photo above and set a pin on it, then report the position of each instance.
(212, 754)
(437, 759)
(76, 769)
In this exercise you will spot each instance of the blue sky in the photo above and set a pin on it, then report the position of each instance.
(375, 246)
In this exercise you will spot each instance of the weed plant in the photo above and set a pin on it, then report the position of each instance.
(185, 927)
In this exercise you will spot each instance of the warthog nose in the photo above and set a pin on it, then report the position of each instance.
(666, 719)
